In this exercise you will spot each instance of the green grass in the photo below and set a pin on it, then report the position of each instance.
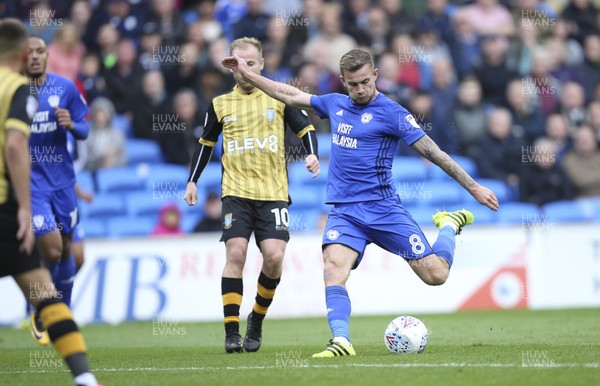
(470, 348)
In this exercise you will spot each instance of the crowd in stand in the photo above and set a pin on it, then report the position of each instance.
(514, 84)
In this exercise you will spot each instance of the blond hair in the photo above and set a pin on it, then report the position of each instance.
(245, 41)
(353, 60)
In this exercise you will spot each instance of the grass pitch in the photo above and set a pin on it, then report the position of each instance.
(469, 348)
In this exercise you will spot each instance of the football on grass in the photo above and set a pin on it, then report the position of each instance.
(406, 335)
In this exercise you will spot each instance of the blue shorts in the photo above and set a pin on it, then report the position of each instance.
(54, 210)
(383, 222)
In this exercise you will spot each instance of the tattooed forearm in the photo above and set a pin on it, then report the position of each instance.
(430, 150)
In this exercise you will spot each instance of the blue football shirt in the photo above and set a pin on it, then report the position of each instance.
(364, 141)
(51, 162)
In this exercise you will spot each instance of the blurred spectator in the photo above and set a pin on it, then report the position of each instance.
(500, 151)
(42, 21)
(105, 145)
(305, 27)
(593, 118)
(560, 30)
(409, 71)
(420, 106)
(328, 80)
(120, 15)
(572, 105)
(212, 220)
(89, 81)
(330, 36)
(400, 21)
(228, 13)
(489, 18)
(541, 84)
(185, 106)
(169, 221)
(81, 13)
(469, 117)
(437, 16)
(151, 105)
(150, 44)
(200, 34)
(521, 49)
(107, 40)
(465, 45)
(354, 19)
(253, 23)
(590, 68)
(388, 70)
(561, 70)
(171, 25)
(123, 81)
(210, 83)
(429, 49)
(278, 51)
(443, 93)
(183, 73)
(65, 53)
(581, 19)
(582, 164)
(308, 76)
(494, 71)
(378, 30)
(558, 131)
(542, 178)
(527, 117)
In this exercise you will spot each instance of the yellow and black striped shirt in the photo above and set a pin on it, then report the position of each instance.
(253, 126)
(13, 115)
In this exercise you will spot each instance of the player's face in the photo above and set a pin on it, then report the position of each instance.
(254, 61)
(360, 84)
(37, 57)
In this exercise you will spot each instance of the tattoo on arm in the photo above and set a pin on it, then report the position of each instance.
(430, 150)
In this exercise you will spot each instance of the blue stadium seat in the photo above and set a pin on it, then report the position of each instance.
(324, 140)
(211, 177)
(167, 177)
(143, 203)
(466, 163)
(483, 215)
(189, 221)
(142, 151)
(104, 206)
(565, 211)
(409, 169)
(93, 228)
(306, 220)
(518, 213)
(85, 180)
(299, 176)
(306, 198)
(423, 215)
(129, 226)
(123, 179)
(122, 124)
(444, 194)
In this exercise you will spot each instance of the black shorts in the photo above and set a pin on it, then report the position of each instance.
(12, 261)
(267, 219)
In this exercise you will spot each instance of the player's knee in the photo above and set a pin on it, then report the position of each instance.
(53, 254)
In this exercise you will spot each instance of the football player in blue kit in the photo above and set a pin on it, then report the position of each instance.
(61, 110)
(366, 128)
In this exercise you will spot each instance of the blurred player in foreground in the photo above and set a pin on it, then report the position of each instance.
(366, 127)
(18, 256)
(254, 188)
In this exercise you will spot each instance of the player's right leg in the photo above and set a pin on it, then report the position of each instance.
(37, 287)
(237, 228)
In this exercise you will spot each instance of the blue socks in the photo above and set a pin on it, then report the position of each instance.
(338, 310)
(63, 275)
(444, 245)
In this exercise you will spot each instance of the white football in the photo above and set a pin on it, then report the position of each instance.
(406, 335)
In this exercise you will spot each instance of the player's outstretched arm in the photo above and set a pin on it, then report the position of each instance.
(283, 92)
(430, 150)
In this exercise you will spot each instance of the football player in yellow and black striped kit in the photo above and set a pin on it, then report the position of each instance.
(18, 256)
(254, 188)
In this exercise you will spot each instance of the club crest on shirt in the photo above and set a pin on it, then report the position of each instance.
(366, 117)
(332, 234)
(53, 100)
(270, 114)
(227, 220)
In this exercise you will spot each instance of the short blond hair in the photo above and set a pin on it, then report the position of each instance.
(246, 41)
(353, 60)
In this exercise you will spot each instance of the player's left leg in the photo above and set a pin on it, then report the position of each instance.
(77, 247)
(272, 234)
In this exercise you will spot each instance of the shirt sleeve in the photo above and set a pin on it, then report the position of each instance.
(212, 127)
(408, 128)
(78, 109)
(18, 117)
(322, 104)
